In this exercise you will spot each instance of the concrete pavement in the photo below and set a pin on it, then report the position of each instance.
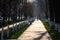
(10, 26)
(36, 31)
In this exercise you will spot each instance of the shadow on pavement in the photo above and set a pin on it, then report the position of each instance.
(41, 36)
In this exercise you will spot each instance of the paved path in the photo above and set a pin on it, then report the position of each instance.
(36, 31)
(10, 26)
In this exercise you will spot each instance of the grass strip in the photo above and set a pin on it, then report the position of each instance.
(51, 30)
(16, 34)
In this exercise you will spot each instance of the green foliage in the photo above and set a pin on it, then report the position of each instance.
(16, 34)
(54, 35)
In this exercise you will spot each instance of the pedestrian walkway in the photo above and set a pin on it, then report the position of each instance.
(36, 31)
(10, 26)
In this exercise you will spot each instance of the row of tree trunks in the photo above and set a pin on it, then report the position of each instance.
(54, 10)
(11, 9)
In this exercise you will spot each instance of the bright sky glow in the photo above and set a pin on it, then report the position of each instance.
(30, 0)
